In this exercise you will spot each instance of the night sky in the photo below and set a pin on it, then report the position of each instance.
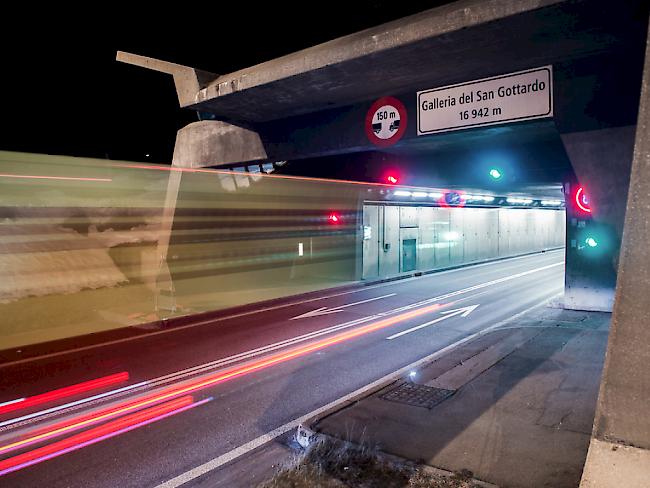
(64, 93)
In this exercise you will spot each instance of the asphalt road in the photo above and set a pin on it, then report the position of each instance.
(256, 372)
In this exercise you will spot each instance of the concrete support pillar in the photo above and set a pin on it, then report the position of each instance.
(211, 143)
(601, 160)
(619, 453)
(198, 145)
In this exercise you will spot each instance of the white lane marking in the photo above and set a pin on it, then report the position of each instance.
(463, 312)
(176, 376)
(11, 402)
(325, 310)
(276, 307)
(70, 404)
(476, 287)
(269, 436)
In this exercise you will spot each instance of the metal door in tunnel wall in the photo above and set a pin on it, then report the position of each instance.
(371, 241)
(409, 256)
(408, 245)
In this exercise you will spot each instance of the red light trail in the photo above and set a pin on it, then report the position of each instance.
(171, 396)
(64, 392)
(77, 423)
(274, 359)
(65, 178)
(98, 434)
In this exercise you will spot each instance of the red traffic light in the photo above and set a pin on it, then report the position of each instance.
(334, 218)
(392, 179)
(582, 200)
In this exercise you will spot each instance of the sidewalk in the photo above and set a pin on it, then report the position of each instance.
(514, 406)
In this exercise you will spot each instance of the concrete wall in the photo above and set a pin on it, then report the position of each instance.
(619, 453)
(450, 237)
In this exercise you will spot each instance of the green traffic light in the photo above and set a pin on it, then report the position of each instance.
(591, 242)
(495, 173)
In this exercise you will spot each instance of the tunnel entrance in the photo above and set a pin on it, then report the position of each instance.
(402, 237)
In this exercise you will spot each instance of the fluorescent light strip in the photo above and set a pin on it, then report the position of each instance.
(524, 201)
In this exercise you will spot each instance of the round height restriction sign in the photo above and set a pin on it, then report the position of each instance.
(386, 121)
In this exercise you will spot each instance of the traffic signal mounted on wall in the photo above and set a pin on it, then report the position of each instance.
(392, 179)
(495, 173)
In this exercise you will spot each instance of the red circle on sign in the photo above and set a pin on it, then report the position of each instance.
(387, 127)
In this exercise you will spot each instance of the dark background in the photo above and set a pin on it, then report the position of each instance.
(64, 93)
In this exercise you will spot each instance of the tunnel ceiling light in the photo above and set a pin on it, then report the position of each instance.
(479, 198)
(402, 193)
(515, 200)
(495, 174)
(419, 194)
(552, 203)
(435, 194)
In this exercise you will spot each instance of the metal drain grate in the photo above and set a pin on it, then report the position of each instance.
(417, 395)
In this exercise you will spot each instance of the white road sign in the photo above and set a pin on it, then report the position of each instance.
(513, 97)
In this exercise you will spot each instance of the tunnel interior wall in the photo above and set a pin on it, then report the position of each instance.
(445, 237)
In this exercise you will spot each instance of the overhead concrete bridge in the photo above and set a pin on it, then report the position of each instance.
(578, 132)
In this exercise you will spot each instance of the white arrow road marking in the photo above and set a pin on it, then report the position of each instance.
(463, 312)
(325, 310)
